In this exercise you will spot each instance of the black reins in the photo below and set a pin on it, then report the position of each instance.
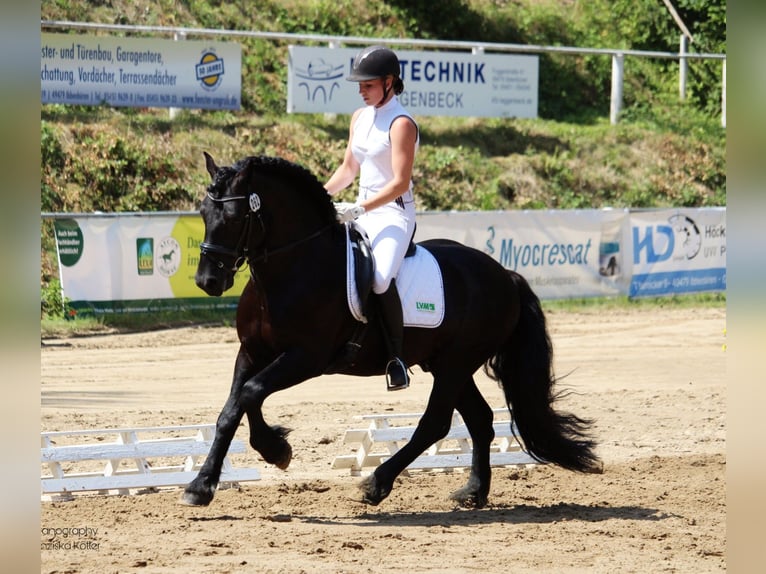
(241, 252)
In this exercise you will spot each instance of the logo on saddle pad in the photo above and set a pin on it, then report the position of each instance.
(420, 286)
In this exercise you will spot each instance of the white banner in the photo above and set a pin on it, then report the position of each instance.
(129, 263)
(678, 251)
(435, 83)
(135, 259)
(561, 253)
(139, 72)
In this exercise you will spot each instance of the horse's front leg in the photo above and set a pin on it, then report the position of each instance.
(289, 369)
(200, 491)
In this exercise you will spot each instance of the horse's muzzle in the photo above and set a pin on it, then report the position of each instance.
(214, 284)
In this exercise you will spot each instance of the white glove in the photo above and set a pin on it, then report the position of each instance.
(348, 211)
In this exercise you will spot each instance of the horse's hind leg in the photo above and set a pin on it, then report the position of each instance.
(477, 416)
(433, 425)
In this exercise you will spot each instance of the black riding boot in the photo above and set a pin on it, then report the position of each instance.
(393, 327)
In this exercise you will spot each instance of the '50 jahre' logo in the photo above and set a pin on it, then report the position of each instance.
(209, 70)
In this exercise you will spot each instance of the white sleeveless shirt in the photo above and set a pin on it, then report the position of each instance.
(371, 147)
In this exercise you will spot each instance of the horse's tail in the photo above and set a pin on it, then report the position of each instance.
(524, 368)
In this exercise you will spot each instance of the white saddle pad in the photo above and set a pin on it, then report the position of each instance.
(420, 287)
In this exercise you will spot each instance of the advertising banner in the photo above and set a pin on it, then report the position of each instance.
(142, 262)
(678, 251)
(139, 72)
(435, 83)
(124, 264)
(562, 254)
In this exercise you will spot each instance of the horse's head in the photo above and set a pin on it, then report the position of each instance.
(253, 210)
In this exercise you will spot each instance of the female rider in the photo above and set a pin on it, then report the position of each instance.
(383, 139)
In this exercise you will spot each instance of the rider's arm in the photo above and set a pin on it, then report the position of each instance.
(347, 171)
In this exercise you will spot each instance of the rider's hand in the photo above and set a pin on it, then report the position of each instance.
(348, 211)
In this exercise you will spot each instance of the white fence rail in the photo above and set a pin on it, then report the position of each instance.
(124, 459)
(385, 434)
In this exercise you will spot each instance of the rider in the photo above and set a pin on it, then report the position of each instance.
(383, 139)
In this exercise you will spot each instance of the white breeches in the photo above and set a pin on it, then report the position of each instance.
(390, 230)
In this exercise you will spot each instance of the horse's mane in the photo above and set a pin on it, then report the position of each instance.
(302, 179)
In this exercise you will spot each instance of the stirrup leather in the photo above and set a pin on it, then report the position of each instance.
(396, 363)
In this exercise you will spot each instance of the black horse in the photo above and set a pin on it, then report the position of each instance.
(293, 323)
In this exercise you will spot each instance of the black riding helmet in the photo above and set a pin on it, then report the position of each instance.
(377, 62)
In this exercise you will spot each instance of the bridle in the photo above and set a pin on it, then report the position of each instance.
(241, 253)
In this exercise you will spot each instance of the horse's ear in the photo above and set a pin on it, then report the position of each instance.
(212, 169)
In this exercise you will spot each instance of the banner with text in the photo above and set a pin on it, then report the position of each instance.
(561, 253)
(140, 72)
(143, 262)
(435, 83)
(678, 251)
(135, 264)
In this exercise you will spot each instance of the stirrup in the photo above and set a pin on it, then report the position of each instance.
(395, 365)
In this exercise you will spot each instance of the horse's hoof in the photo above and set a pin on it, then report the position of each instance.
(196, 497)
(469, 499)
(596, 468)
(372, 494)
(193, 499)
(285, 457)
(273, 447)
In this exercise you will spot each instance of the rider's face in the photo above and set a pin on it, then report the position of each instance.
(372, 90)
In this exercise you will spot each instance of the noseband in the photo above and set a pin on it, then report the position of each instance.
(240, 253)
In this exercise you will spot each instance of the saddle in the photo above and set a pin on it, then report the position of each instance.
(419, 283)
(363, 264)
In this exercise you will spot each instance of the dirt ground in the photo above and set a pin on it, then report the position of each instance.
(653, 380)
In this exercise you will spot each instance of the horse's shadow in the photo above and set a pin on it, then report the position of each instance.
(511, 514)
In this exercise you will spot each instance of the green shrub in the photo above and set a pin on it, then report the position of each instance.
(110, 171)
(53, 304)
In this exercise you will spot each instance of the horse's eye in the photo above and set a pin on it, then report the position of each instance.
(232, 212)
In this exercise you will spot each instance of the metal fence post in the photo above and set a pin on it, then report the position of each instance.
(683, 67)
(173, 112)
(723, 95)
(328, 116)
(616, 103)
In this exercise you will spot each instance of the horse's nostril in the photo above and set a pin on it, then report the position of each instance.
(208, 284)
